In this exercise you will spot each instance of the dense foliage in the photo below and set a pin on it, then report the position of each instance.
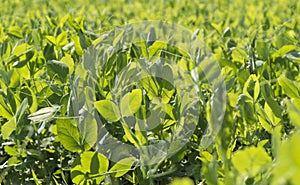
(45, 44)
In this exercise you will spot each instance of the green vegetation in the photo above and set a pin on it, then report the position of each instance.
(46, 45)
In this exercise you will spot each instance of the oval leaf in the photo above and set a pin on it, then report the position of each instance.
(122, 166)
(8, 128)
(108, 110)
(289, 87)
(88, 167)
(131, 102)
(69, 135)
(294, 113)
(59, 68)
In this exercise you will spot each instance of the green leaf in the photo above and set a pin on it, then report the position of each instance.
(252, 87)
(89, 131)
(129, 135)
(288, 87)
(263, 120)
(267, 93)
(251, 160)
(15, 31)
(156, 48)
(14, 79)
(83, 41)
(166, 83)
(140, 133)
(59, 68)
(287, 168)
(51, 39)
(271, 115)
(239, 55)
(283, 50)
(11, 150)
(262, 143)
(294, 113)
(61, 39)
(182, 181)
(88, 167)
(13, 161)
(22, 49)
(150, 86)
(118, 39)
(122, 166)
(108, 110)
(131, 102)
(296, 102)
(246, 107)
(70, 62)
(276, 109)
(217, 26)
(4, 109)
(8, 128)
(77, 45)
(27, 92)
(21, 110)
(262, 49)
(63, 20)
(69, 135)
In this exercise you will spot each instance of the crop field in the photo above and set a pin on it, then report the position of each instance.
(143, 92)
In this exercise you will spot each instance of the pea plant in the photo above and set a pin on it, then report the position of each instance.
(99, 93)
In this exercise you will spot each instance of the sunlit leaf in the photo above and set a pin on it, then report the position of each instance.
(131, 102)
(8, 128)
(88, 167)
(287, 166)
(288, 87)
(70, 62)
(283, 50)
(108, 110)
(294, 113)
(182, 181)
(15, 31)
(122, 166)
(251, 160)
(61, 39)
